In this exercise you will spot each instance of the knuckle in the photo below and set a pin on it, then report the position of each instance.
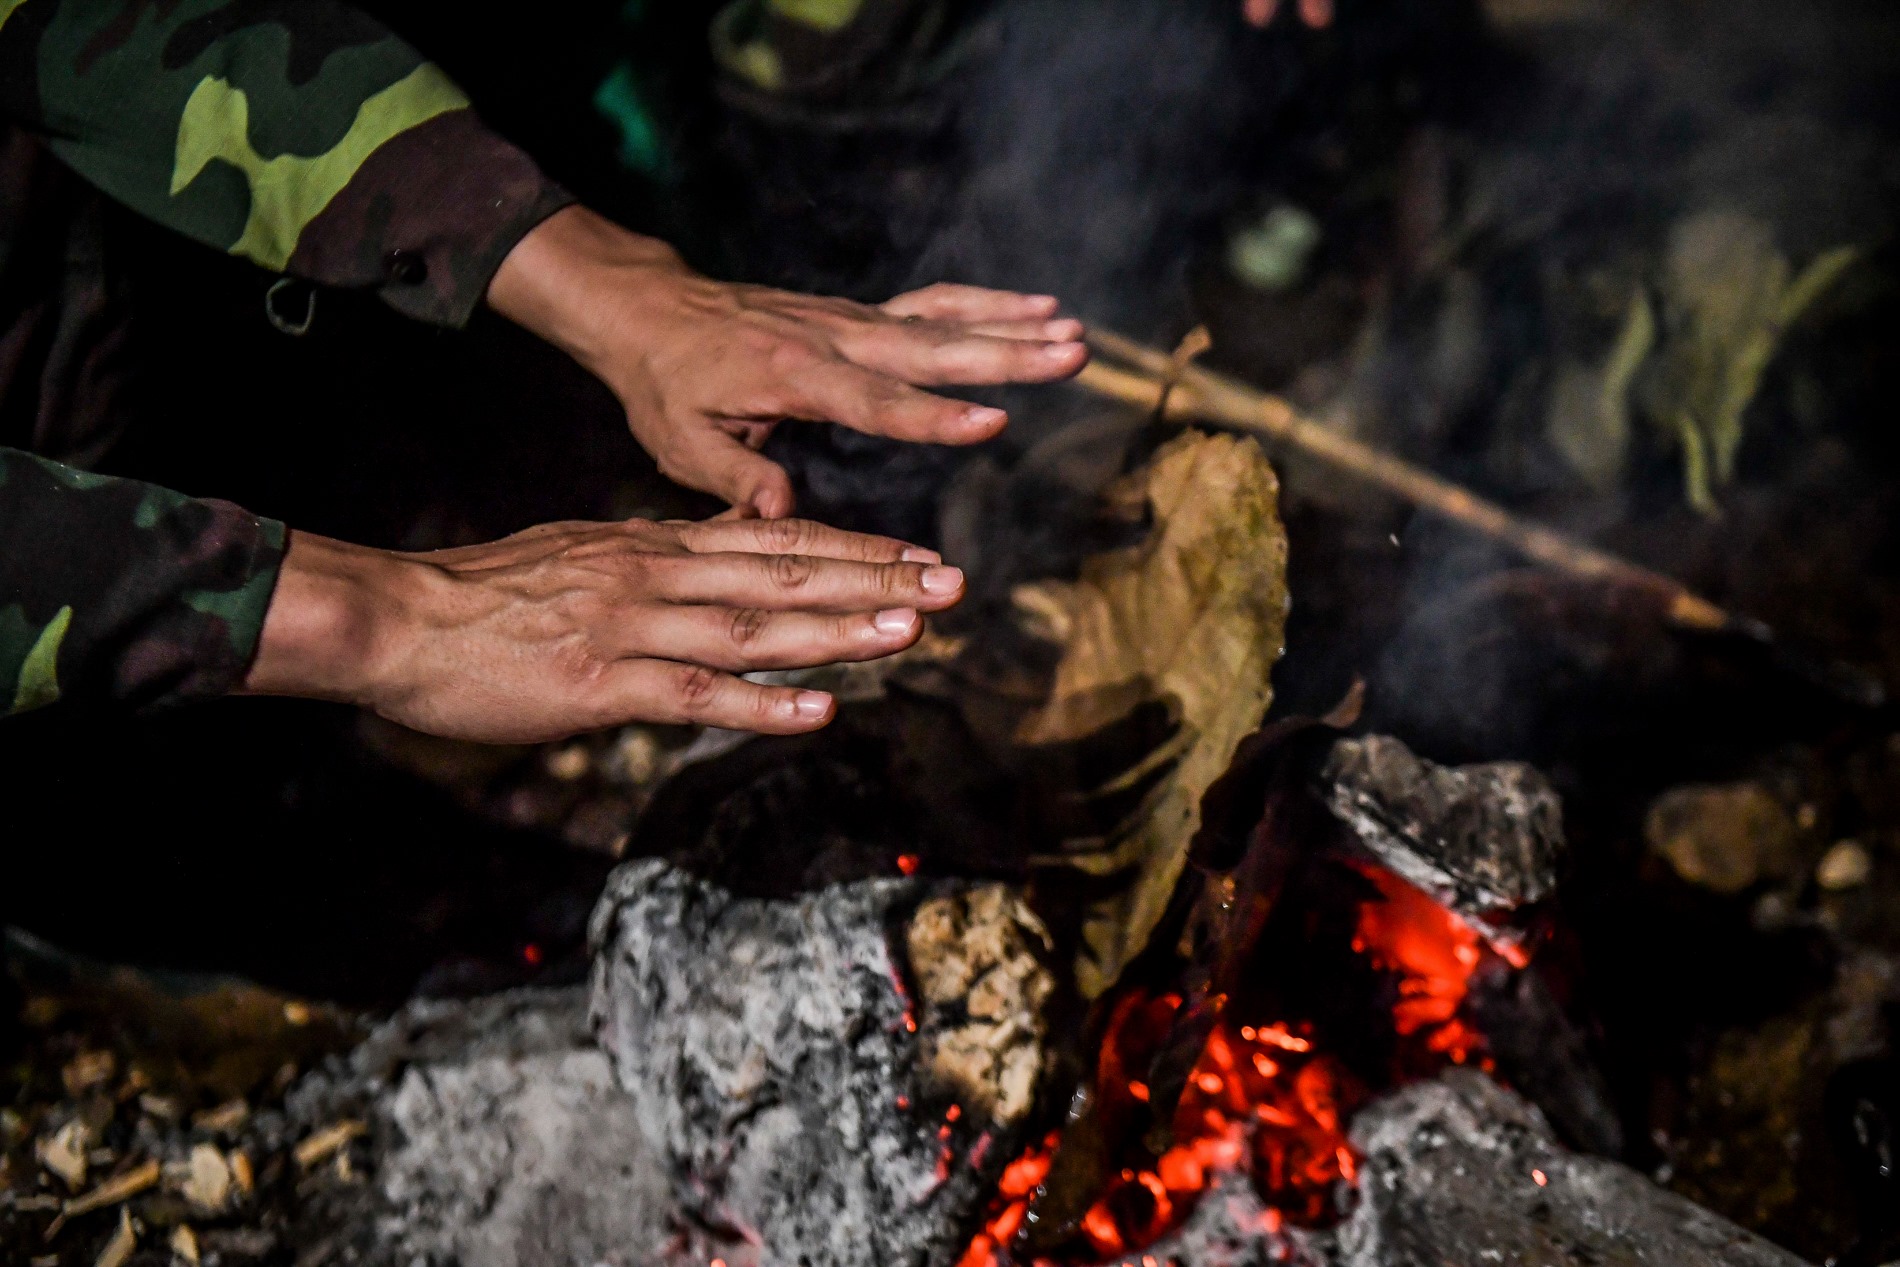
(790, 571)
(784, 536)
(644, 572)
(697, 687)
(789, 356)
(747, 626)
(580, 662)
(898, 579)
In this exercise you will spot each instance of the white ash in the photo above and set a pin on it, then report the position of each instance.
(498, 1140)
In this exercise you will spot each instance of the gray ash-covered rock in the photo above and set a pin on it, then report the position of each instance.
(1450, 1175)
(497, 1138)
(799, 1089)
(1482, 839)
(1459, 1170)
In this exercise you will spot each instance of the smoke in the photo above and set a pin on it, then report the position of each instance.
(1496, 201)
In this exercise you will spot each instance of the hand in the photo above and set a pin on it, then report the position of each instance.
(1315, 13)
(705, 369)
(577, 626)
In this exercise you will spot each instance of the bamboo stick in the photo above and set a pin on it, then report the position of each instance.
(1184, 392)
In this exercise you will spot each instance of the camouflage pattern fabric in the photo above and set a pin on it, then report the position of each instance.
(114, 590)
(832, 51)
(297, 133)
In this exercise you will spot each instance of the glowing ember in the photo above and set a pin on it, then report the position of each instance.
(1265, 1097)
(1433, 953)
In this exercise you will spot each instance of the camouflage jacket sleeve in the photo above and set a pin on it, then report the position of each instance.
(113, 590)
(298, 133)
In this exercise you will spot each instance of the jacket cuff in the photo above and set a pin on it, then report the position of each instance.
(428, 218)
(112, 590)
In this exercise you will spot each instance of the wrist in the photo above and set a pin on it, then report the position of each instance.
(336, 621)
(572, 278)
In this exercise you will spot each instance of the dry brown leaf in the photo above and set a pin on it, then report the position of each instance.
(1195, 613)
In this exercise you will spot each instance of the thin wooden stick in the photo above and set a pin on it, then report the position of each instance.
(1184, 392)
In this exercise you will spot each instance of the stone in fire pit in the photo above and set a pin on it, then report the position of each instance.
(798, 1087)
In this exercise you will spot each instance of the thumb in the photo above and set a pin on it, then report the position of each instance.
(715, 462)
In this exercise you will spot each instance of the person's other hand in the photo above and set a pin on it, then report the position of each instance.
(577, 626)
(705, 369)
(1315, 13)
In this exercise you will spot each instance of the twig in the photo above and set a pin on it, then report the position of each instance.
(1179, 391)
(1202, 394)
(111, 1192)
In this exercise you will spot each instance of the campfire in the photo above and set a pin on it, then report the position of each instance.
(1268, 1098)
(1541, 390)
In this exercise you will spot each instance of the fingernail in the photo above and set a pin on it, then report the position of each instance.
(942, 580)
(813, 703)
(984, 416)
(917, 554)
(1061, 351)
(898, 620)
(1067, 330)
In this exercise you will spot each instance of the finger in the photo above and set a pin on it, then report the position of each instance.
(706, 458)
(1259, 12)
(800, 536)
(947, 301)
(1061, 330)
(931, 356)
(800, 582)
(694, 694)
(882, 405)
(750, 638)
(1316, 13)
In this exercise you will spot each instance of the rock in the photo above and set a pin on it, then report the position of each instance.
(1544, 1056)
(1459, 1170)
(786, 1080)
(498, 1140)
(1846, 865)
(1723, 837)
(1482, 839)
